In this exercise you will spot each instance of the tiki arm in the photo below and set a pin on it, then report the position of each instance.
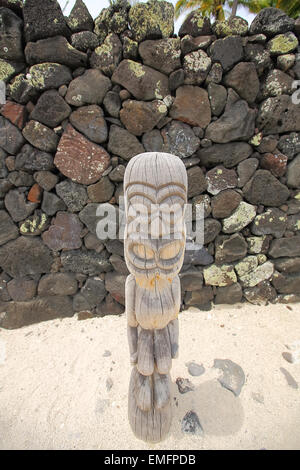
(132, 323)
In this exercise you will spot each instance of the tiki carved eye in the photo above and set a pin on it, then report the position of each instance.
(143, 251)
(171, 250)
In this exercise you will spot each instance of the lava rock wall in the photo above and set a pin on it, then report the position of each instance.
(85, 96)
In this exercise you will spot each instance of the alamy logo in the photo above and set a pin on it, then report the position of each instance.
(154, 221)
(2, 92)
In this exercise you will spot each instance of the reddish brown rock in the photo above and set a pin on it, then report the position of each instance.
(276, 163)
(79, 159)
(139, 117)
(64, 233)
(15, 113)
(192, 106)
(35, 194)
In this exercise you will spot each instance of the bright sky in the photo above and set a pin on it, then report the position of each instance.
(95, 6)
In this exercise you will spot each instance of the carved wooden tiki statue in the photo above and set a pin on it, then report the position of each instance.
(155, 186)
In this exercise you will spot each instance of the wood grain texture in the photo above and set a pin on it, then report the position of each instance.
(155, 186)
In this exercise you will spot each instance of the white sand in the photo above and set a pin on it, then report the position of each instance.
(53, 376)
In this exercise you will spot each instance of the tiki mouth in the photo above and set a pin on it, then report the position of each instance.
(152, 258)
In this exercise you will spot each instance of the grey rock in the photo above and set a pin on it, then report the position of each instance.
(11, 31)
(197, 255)
(277, 83)
(230, 249)
(227, 154)
(115, 285)
(212, 228)
(233, 377)
(244, 80)
(89, 88)
(236, 123)
(227, 51)
(9, 230)
(271, 21)
(289, 378)
(44, 77)
(196, 181)
(176, 79)
(289, 144)
(261, 294)
(101, 191)
(90, 121)
(196, 66)
(287, 265)
(264, 188)
(119, 264)
(86, 262)
(143, 82)
(57, 50)
(217, 96)
(19, 314)
(191, 425)
(117, 174)
(260, 57)
(184, 385)
(22, 289)
(219, 179)
(200, 298)
(180, 140)
(21, 89)
(278, 115)
(93, 291)
(107, 56)
(11, 139)
(43, 20)
(80, 19)
(224, 203)
(52, 204)
(46, 179)
(112, 104)
(57, 284)
(123, 144)
(229, 295)
(240, 218)
(17, 206)
(271, 222)
(191, 281)
(151, 20)
(282, 247)
(293, 173)
(195, 24)
(31, 159)
(195, 369)
(73, 194)
(51, 109)
(246, 170)
(162, 54)
(41, 136)
(25, 256)
(84, 41)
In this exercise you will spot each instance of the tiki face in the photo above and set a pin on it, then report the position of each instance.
(155, 198)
